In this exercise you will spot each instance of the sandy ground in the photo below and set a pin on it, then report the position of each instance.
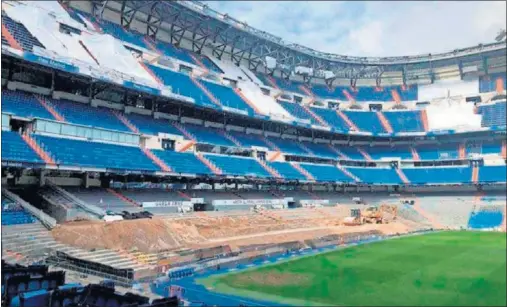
(159, 234)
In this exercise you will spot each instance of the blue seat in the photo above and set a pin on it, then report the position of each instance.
(234, 165)
(298, 111)
(327, 173)
(438, 175)
(20, 33)
(227, 96)
(366, 121)
(208, 135)
(151, 126)
(332, 118)
(15, 149)
(84, 114)
(490, 173)
(286, 170)
(181, 162)
(493, 114)
(485, 218)
(405, 121)
(93, 154)
(488, 83)
(376, 175)
(23, 104)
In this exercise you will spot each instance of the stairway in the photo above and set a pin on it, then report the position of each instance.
(349, 174)
(434, 222)
(304, 172)
(402, 176)
(126, 122)
(475, 174)
(308, 150)
(184, 131)
(47, 105)
(123, 198)
(164, 167)
(231, 138)
(10, 39)
(348, 96)
(270, 144)
(504, 149)
(385, 122)
(246, 100)
(499, 86)
(308, 92)
(338, 152)
(272, 82)
(35, 147)
(206, 91)
(315, 116)
(396, 96)
(184, 195)
(462, 151)
(151, 73)
(269, 169)
(347, 120)
(424, 119)
(415, 154)
(364, 154)
(200, 64)
(209, 164)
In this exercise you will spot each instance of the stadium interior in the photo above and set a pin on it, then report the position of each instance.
(139, 150)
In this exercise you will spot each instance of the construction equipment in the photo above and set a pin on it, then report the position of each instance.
(382, 214)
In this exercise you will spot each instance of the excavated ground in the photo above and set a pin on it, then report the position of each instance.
(162, 234)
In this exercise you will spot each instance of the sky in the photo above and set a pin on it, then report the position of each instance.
(375, 28)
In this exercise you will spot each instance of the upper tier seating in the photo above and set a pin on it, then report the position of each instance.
(364, 93)
(120, 33)
(286, 85)
(24, 38)
(181, 162)
(322, 172)
(488, 83)
(151, 126)
(331, 117)
(497, 173)
(405, 121)
(232, 165)
(438, 175)
(183, 85)
(92, 154)
(5, 42)
(84, 114)
(376, 175)
(486, 217)
(297, 111)
(23, 104)
(208, 135)
(366, 121)
(186, 56)
(286, 170)
(321, 150)
(13, 214)
(493, 114)
(14, 148)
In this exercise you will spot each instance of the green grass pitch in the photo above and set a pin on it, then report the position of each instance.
(444, 269)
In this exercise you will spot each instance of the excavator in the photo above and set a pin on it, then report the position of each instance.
(382, 214)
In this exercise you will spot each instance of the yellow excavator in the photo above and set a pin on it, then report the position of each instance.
(382, 214)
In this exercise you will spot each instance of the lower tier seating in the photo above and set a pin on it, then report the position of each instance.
(375, 175)
(13, 214)
(439, 175)
(325, 172)
(486, 217)
(14, 148)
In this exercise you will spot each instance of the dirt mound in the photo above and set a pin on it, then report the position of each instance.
(158, 234)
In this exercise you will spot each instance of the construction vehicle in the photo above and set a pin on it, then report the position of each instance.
(382, 214)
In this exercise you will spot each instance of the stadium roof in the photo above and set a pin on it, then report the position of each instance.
(227, 36)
